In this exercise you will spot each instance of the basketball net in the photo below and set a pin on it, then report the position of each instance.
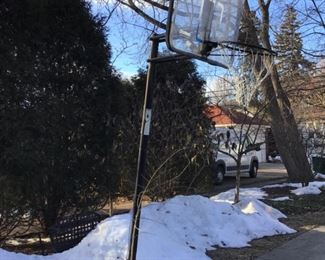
(247, 70)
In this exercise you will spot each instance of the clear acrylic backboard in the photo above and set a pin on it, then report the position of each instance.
(198, 27)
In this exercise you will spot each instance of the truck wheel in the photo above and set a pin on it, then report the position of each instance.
(253, 169)
(219, 174)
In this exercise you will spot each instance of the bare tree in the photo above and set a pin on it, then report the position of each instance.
(310, 110)
(14, 220)
(241, 139)
(246, 107)
(282, 119)
(283, 123)
(313, 12)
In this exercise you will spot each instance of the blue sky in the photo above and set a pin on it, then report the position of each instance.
(124, 40)
(130, 44)
(120, 35)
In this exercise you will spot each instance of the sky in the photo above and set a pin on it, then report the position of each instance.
(128, 36)
(130, 44)
(125, 41)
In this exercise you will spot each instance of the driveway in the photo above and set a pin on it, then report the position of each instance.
(268, 173)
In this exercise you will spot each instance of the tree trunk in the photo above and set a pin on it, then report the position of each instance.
(236, 200)
(283, 122)
(287, 137)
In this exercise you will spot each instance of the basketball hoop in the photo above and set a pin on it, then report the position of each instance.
(208, 30)
(248, 68)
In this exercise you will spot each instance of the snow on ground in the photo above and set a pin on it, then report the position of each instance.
(183, 227)
(247, 193)
(319, 176)
(294, 185)
(313, 187)
(281, 198)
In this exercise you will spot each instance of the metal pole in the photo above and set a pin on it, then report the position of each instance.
(145, 131)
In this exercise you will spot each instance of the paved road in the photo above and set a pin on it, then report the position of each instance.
(268, 173)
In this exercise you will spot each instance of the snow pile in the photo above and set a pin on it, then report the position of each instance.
(275, 159)
(307, 190)
(281, 198)
(319, 176)
(294, 185)
(313, 188)
(181, 228)
(245, 193)
(184, 227)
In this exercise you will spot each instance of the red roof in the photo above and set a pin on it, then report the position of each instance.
(230, 116)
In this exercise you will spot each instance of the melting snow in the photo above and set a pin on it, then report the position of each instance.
(183, 227)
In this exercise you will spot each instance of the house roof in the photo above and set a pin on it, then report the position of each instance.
(224, 116)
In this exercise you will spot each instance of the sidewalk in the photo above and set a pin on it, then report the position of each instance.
(308, 246)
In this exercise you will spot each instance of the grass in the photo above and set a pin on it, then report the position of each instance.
(299, 204)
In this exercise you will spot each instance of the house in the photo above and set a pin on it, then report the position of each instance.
(256, 128)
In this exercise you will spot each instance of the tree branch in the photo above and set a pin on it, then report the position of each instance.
(156, 4)
(319, 14)
(144, 15)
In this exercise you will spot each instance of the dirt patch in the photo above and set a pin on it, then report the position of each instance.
(304, 213)
(30, 244)
(276, 192)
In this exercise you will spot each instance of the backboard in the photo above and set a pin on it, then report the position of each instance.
(198, 28)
